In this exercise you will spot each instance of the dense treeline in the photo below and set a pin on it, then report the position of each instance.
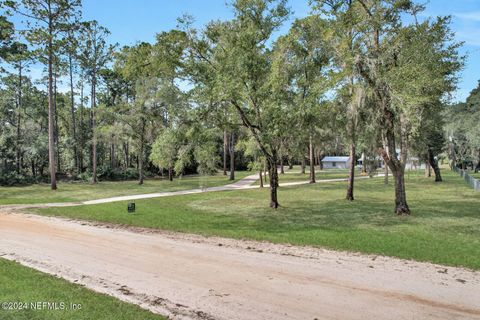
(462, 132)
(355, 77)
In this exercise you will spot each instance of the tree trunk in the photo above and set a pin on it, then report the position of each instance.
(225, 150)
(282, 169)
(127, 155)
(434, 165)
(34, 173)
(401, 206)
(111, 153)
(72, 111)
(141, 154)
(273, 176)
(351, 132)
(265, 166)
(290, 163)
(477, 167)
(140, 166)
(312, 161)
(453, 158)
(94, 129)
(57, 131)
(364, 163)
(303, 165)
(351, 176)
(398, 171)
(261, 178)
(232, 156)
(19, 120)
(51, 114)
(428, 173)
(170, 174)
(81, 137)
(397, 166)
(385, 172)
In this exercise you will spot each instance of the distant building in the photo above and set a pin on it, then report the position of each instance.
(336, 162)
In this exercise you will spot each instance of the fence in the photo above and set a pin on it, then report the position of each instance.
(474, 183)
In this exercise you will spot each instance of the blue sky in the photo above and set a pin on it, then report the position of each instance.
(133, 21)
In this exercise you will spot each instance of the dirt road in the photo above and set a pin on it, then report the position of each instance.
(192, 277)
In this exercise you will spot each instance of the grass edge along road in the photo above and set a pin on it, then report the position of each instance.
(25, 288)
(444, 227)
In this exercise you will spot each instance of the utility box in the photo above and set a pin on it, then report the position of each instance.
(131, 207)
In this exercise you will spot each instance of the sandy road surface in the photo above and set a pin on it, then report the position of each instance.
(192, 277)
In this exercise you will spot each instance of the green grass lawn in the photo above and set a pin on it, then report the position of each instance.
(22, 284)
(444, 227)
(475, 175)
(77, 191)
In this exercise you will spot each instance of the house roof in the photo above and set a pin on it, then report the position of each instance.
(335, 159)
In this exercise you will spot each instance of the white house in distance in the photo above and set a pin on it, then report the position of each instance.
(336, 162)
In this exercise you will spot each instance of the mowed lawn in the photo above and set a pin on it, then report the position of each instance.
(80, 191)
(475, 175)
(20, 284)
(444, 227)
